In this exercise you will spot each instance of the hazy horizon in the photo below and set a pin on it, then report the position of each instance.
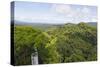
(22, 22)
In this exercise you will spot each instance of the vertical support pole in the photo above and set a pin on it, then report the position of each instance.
(34, 58)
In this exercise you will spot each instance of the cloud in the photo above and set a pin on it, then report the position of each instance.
(48, 19)
(61, 9)
(94, 18)
(86, 10)
(73, 14)
(24, 18)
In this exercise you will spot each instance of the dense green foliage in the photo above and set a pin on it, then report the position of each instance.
(60, 44)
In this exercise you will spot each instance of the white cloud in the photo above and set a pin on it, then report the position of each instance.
(61, 9)
(20, 17)
(86, 10)
(74, 14)
(23, 18)
(47, 18)
(94, 19)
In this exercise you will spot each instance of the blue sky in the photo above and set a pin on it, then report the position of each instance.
(54, 13)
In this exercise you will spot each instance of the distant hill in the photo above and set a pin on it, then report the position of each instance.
(92, 23)
(31, 23)
(45, 25)
(36, 24)
(22, 23)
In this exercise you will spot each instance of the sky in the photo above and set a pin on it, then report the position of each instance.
(54, 13)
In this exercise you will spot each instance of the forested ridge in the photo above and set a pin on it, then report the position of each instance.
(56, 44)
